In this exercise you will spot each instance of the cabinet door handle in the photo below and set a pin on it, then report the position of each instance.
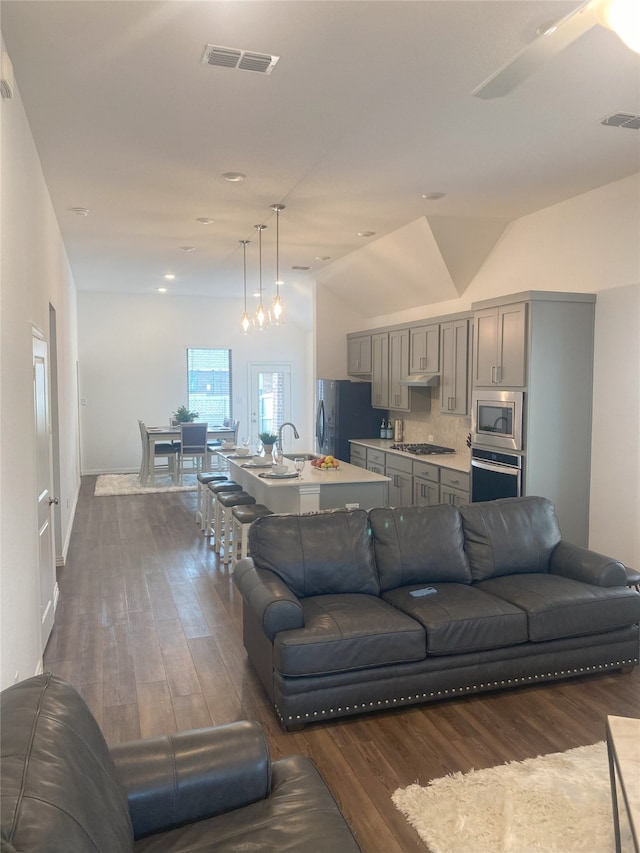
(493, 374)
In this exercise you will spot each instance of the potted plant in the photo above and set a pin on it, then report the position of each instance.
(182, 415)
(268, 439)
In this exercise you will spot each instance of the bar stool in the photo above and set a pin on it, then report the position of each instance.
(213, 490)
(242, 517)
(222, 527)
(204, 478)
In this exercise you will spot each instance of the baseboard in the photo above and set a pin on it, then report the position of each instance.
(96, 471)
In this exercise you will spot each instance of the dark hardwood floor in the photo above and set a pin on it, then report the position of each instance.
(148, 628)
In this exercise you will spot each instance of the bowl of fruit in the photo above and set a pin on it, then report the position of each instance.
(325, 463)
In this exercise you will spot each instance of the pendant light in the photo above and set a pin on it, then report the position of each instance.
(245, 317)
(277, 307)
(261, 317)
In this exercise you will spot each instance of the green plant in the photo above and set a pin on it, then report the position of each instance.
(183, 416)
(267, 437)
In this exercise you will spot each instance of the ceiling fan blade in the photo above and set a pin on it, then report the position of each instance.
(540, 50)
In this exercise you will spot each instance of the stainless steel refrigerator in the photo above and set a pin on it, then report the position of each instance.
(343, 411)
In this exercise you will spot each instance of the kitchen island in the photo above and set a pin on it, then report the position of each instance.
(315, 490)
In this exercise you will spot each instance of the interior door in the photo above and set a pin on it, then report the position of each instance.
(269, 398)
(45, 500)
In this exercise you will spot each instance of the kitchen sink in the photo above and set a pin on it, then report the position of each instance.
(306, 456)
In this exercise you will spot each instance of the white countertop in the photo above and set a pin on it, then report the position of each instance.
(345, 474)
(459, 461)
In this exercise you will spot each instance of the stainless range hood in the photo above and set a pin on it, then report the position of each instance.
(421, 380)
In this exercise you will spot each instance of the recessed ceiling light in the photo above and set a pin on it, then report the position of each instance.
(433, 196)
(323, 257)
(366, 233)
(205, 220)
(169, 276)
(188, 248)
(299, 268)
(234, 177)
(80, 211)
(162, 290)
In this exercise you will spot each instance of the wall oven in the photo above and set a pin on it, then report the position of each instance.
(497, 419)
(495, 475)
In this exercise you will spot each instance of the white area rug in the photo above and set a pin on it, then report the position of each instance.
(559, 803)
(129, 484)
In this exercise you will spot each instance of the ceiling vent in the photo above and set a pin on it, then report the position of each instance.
(622, 120)
(242, 60)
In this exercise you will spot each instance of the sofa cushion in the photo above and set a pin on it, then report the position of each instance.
(419, 544)
(460, 618)
(509, 536)
(317, 553)
(561, 607)
(60, 791)
(347, 632)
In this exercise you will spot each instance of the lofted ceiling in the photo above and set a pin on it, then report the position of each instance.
(368, 110)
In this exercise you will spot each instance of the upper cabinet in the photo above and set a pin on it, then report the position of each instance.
(500, 346)
(424, 349)
(380, 370)
(398, 369)
(454, 374)
(359, 355)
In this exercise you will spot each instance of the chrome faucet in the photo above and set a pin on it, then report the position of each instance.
(282, 426)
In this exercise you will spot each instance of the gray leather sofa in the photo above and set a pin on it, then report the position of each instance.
(215, 789)
(332, 628)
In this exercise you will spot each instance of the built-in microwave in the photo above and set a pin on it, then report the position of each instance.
(497, 419)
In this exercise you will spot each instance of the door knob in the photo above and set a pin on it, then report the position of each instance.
(55, 501)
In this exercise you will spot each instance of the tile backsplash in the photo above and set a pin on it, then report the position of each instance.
(424, 420)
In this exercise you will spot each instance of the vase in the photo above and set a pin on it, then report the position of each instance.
(268, 452)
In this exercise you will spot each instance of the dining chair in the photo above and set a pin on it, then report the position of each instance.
(162, 451)
(193, 446)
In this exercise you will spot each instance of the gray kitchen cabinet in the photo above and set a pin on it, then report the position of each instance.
(424, 349)
(455, 487)
(400, 470)
(380, 370)
(426, 484)
(454, 367)
(376, 461)
(358, 455)
(500, 346)
(398, 369)
(359, 355)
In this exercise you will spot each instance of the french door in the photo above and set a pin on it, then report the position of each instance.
(269, 398)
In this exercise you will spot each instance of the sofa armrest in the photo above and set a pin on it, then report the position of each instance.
(274, 604)
(194, 775)
(581, 564)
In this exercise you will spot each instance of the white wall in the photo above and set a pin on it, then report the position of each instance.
(34, 272)
(615, 464)
(133, 365)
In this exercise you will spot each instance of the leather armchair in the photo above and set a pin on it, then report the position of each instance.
(213, 789)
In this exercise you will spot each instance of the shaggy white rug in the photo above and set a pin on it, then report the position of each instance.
(559, 803)
(129, 484)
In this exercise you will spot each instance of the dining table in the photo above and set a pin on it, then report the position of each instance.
(167, 434)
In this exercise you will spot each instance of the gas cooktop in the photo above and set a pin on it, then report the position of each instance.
(422, 449)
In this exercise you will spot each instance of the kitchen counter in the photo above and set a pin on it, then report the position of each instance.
(460, 461)
(315, 490)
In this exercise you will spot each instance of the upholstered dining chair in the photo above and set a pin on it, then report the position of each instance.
(165, 457)
(193, 446)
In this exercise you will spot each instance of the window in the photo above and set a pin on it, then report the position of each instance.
(209, 384)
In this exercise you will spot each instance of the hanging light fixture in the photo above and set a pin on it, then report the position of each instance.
(260, 319)
(245, 323)
(277, 307)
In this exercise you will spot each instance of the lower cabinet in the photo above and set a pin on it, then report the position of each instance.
(400, 470)
(426, 484)
(376, 461)
(454, 487)
(358, 455)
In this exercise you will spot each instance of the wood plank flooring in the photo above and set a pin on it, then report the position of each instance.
(148, 628)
